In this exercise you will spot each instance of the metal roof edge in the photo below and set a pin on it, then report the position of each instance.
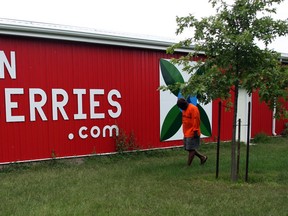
(89, 35)
(284, 58)
(54, 31)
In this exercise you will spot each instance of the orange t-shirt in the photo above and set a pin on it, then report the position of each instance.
(191, 121)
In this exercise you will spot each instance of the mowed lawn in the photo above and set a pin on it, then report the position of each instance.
(150, 183)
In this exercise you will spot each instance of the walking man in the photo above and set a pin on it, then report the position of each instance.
(191, 130)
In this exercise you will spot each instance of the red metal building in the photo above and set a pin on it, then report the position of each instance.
(65, 92)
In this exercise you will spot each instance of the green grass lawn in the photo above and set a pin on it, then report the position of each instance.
(150, 183)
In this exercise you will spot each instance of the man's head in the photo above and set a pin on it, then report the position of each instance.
(182, 103)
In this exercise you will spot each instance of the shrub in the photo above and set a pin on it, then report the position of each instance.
(261, 138)
(124, 142)
(285, 131)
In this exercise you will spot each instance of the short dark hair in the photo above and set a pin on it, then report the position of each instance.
(182, 103)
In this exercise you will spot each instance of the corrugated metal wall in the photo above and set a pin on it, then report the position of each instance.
(53, 64)
(262, 117)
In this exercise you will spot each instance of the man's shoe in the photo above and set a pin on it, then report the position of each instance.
(204, 160)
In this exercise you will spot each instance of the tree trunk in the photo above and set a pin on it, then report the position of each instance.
(233, 144)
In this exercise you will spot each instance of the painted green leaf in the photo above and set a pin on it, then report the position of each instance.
(205, 126)
(170, 74)
(171, 124)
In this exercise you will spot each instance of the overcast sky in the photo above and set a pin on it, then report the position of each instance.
(150, 17)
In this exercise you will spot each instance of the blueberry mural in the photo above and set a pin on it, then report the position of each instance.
(173, 120)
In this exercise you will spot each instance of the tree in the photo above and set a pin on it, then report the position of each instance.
(233, 59)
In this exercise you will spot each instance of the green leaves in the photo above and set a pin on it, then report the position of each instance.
(228, 41)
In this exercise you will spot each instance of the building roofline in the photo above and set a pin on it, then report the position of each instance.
(89, 35)
(71, 33)
(284, 58)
